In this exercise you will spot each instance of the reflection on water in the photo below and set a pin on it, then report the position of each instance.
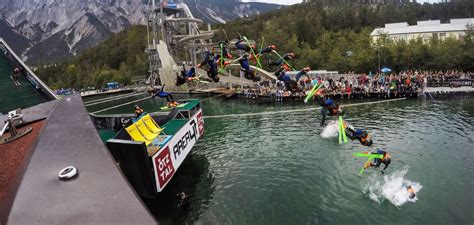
(193, 178)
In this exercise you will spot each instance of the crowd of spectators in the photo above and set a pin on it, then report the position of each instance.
(351, 85)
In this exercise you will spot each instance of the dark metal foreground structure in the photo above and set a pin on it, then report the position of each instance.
(32, 193)
(99, 194)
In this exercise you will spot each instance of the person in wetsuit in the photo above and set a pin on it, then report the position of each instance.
(386, 160)
(411, 192)
(328, 108)
(243, 45)
(225, 52)
(248, 73)
(282, 76)
(211, 64)
(163, 94)
(286, 57)
(138, 111)
(267, 50)
(359, 134)
(185, 76)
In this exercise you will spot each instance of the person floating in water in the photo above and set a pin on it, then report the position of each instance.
(386, 160)
(358, 134)
(328, 108)
(211, 64)
(138, 111)
(183, 200)
(248, 73)
(411, 192)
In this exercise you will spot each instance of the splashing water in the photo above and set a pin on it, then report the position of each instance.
(331, 130)
(392, 187)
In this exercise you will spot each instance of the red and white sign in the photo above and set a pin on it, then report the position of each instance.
(200, 123)
(170, 156)
(163, 166)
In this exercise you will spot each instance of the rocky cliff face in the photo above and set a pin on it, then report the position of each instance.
(46, 31)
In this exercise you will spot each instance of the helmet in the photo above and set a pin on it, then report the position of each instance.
(273, 47)
(369, 142)
(379, 151)
(357, 132)
(291, 54)
(328, 102)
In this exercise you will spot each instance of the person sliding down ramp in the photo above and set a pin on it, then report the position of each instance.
(359, 134)
(328, 108)
(211, 64)
(386, 160)
(248, 73)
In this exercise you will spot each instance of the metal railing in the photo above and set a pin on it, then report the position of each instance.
(451, 83)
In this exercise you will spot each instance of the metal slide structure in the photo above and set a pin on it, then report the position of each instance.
(258, 71)
(180, 29)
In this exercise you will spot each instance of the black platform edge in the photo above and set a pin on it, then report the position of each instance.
(100, 194)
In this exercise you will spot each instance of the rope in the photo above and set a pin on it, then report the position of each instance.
(296, 110)
(213, 97)
(101, 99)
(127, 103)
(95, 102)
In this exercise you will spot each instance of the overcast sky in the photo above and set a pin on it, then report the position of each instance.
(290, 2)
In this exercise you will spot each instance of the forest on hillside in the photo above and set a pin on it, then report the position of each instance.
(331, 35)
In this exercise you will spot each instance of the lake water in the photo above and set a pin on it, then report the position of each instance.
(277, 169)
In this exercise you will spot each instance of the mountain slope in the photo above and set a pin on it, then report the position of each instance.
(47, 31)
(218, 11)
